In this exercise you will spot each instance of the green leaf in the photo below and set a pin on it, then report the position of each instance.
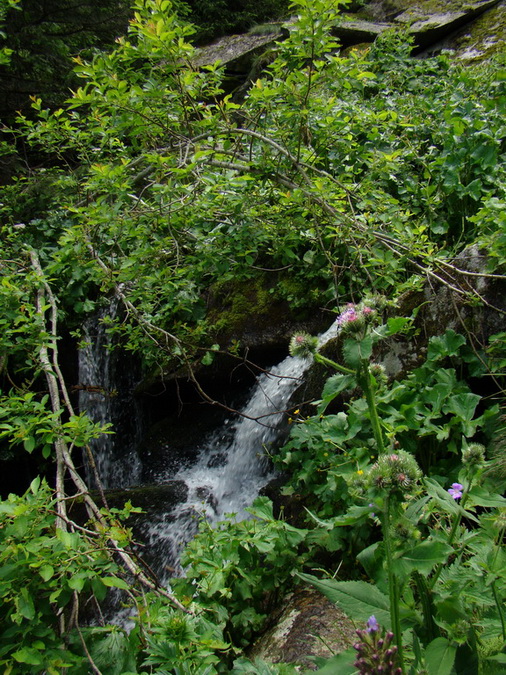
(357, 598)
(478, 496)
(423, 557)
(46, 572)
(340, 663)
(76, 583)
(25, 604)
(34, 485)
(115, 582)
(262, 509)
(440, 657)
(355, 352)
(462, 405)
(445, 345)
(27, 655)
(333, 387)
(396, 324)
(29, 444)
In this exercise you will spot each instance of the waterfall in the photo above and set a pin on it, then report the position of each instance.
(105, 394)
(232, 466)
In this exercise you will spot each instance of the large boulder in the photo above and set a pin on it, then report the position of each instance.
(307, 625)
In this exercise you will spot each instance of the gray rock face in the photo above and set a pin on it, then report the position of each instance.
(434, 24)
(235, 51)
(308, 625)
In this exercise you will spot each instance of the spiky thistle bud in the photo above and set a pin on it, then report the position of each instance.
(473, 455)
(395, 472)
(303, 345)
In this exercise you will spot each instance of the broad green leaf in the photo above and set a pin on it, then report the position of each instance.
(29, 444)
(333, 387)
(341, 664)
(115, 582)
(76, 583)
(440, 657)
(478, 496)
(396, 324)
(357, 598)
(27, 655)
(462, 405)
(46, 572)
(423, 557)
(445, 345)
(355, 352)
(262, 509)
(25, 604)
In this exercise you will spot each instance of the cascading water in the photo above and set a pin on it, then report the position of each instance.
(232, 466)
(105, 395)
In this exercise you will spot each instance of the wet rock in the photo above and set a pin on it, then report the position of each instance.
(236, 52)
(428, 28)
(307, 625)
(350, 32)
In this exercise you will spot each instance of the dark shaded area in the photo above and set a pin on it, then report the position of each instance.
(45, 35)
(215, 18)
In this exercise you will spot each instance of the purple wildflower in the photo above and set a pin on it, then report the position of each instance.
(372, 624)
(456, 490)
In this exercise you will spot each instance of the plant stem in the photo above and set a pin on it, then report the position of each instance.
(393, 588)
(329, 362)
(366, 384)
(499, 610)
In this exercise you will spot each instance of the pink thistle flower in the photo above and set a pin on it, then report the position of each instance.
(349, 314)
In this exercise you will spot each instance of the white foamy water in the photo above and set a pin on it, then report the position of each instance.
(232, 466)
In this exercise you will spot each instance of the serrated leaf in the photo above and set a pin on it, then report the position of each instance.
(423, 557)
(262, 509)
(445, 345)
(356, 598)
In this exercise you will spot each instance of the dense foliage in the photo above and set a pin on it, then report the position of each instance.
(337, 178)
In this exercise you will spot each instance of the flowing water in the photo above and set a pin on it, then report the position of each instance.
(232, 465)
(106, 396)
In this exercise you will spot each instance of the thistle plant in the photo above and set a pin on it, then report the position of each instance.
(394, 474)
(355, 322)
(392, 477)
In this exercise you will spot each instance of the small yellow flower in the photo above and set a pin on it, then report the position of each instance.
(360, 472)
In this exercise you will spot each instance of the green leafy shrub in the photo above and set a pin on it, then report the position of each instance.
(238, 570)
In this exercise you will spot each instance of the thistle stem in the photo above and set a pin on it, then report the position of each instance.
(365, 382)
(329, 362)
(393, 588)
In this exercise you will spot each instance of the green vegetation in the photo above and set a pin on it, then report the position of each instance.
(338, 179)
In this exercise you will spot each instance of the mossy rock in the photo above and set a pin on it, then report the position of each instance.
(252, 313)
